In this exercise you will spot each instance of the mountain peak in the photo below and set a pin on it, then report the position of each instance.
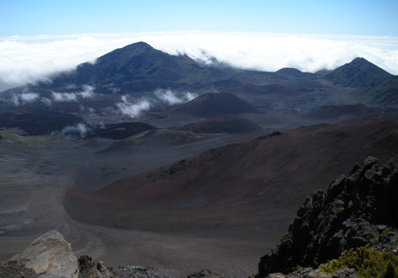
(360, 60)
(138, 46)
(130, 50)
(290, 71)
(136, 66)
(358, 73)
(141, 44)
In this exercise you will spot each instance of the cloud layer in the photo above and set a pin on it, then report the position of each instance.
(135, 107)
(24, 98)
(171, 98)
(28, 59)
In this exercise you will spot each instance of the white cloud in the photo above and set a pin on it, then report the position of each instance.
(189, 96)
(88, 91)
(24, 98)
(64, 97)
(80, 128)
(133, 109)
(172, 98)
(28, 59)
(168, 97)
(29, 97)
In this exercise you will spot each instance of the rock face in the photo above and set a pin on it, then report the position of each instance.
(356, 210)
(50, 256)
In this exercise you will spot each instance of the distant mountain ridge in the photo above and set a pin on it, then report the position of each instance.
(123, 79)
(137, 65)
(140, 67)
(358, 73)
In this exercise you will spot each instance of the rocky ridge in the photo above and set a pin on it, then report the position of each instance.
(360, 209)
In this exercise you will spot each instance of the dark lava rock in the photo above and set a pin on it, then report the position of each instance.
(134, 272)
(89, 268)
(206, 274)
(356, 210)
(16, 270)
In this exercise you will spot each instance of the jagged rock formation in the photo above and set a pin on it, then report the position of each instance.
(356, 210)
(49, 255)
(89, 268)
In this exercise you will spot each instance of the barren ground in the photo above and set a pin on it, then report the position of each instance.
(32, 186)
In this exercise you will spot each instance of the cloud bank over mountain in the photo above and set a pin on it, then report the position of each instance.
(31, 58)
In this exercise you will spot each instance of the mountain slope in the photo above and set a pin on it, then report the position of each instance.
(261, 179)
(213, 104)
(223, 124)
(358, 73)
(385, 94)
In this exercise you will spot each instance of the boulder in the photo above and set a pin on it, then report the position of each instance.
(50, 255)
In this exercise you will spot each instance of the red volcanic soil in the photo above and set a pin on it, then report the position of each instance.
(255, 185)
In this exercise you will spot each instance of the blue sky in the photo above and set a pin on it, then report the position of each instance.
(354, 17)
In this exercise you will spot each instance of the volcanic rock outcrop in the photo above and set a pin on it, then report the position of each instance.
(357, 210)
(49, 255)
